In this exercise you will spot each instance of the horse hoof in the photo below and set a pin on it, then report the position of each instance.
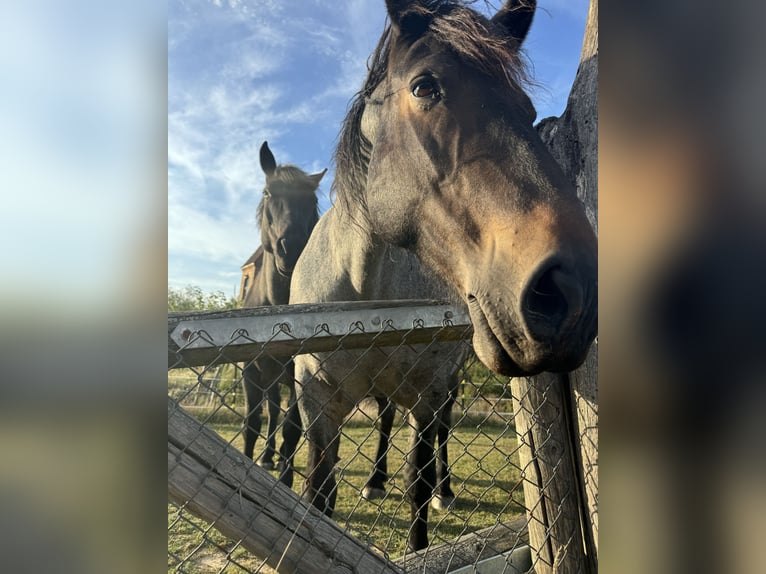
(439, 502)
(266, 464)
(281, 466)
(369, 493)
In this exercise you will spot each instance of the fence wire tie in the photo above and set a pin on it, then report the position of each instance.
(281, 328)
(322, 328)
(237, 333)
(195, 336)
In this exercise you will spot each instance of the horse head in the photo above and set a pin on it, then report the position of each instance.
(288, 210)
(453, 169)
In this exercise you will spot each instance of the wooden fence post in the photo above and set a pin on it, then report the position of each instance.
(584, 389)
(550, 490)
(573, 141)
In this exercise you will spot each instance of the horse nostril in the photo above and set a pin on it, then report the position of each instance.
(551, 298)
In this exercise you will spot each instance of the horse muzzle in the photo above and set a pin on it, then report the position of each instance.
(548, 326)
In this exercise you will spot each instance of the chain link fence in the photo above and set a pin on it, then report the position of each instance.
(227, 513)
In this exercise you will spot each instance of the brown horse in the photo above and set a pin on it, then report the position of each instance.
(286, 215)
(443, 188)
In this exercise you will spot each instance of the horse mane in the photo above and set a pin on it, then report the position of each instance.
(473, 37)
(289, 181)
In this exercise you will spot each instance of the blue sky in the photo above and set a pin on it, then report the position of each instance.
(284, 71)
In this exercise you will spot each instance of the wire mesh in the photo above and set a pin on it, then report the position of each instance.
(231, 514)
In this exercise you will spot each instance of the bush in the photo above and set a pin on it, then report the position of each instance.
(193, 298)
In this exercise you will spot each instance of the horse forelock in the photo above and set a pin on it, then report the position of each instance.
(472, 37)
(288, 178)
(482, 44)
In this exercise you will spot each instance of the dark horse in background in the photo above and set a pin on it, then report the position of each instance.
(286, 215)
(443, 188)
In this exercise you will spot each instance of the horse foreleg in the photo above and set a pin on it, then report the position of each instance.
(251, 381)
(420, 476)
(376, 484)
(291, 434)
(272, 402)
(443, 495)
(291, 431)
(291, 427)
(321, 415)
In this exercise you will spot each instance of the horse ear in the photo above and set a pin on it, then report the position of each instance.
(268, 163)
(516, 17)
(408, 18)
(317, 177)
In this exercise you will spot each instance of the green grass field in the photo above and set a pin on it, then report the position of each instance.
(485, 479)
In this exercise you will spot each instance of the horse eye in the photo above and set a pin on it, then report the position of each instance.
(425, 89)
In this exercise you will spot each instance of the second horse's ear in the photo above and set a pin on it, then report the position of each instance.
(516, 17)
(268, 163)
(409, 18)
(317, 177)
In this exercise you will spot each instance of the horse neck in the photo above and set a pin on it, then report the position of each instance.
(379, 270)
(274, 288)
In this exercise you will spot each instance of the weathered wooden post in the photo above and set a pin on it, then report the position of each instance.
(551, 493)
(557, 416)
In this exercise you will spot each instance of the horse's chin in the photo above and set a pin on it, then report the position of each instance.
(494, 357)
(488, 347)
(517, 358)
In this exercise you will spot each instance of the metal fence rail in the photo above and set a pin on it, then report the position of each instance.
(227, 514)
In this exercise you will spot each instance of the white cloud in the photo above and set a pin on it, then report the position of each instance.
(193, 233)
(252, 63)
(234, 106)
(239, 173)
(185, 146)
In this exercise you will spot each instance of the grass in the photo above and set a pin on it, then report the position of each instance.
(485, 479)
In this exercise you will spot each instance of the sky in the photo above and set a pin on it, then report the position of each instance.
(284, 71)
